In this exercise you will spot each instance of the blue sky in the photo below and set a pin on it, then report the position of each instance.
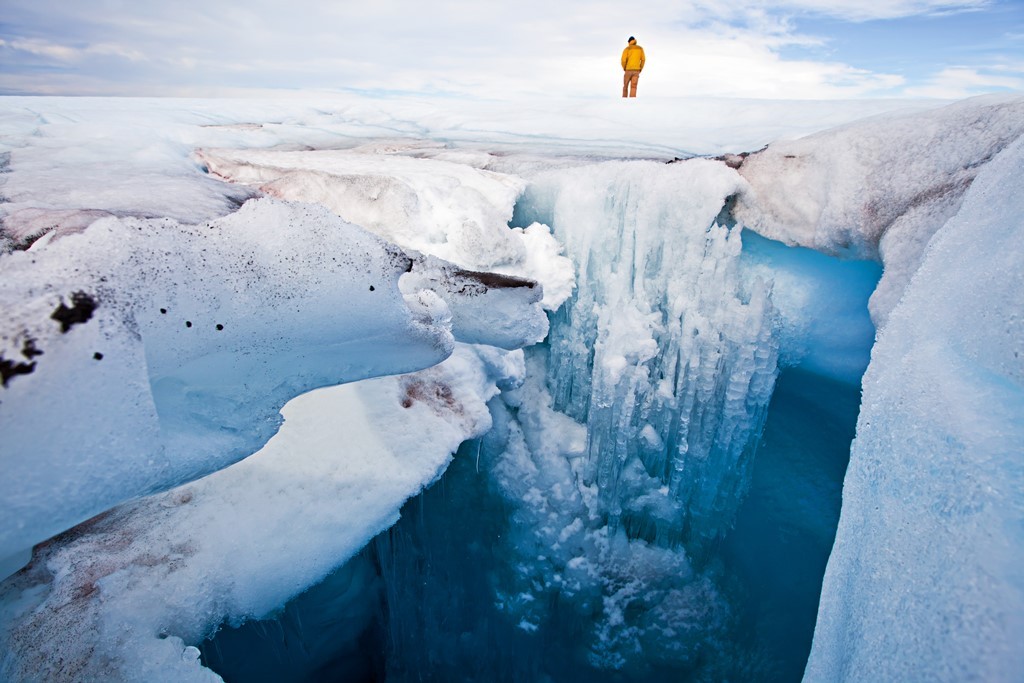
(987, 42)
(816, 49)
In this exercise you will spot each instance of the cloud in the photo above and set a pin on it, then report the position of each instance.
(742, 65)
(69, 53)
(42, 48)
(872, 9)
(960, 82)
(840, 9)
(485, 49)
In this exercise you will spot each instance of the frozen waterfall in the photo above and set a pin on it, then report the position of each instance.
(665, 355)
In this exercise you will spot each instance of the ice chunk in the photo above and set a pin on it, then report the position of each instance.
(486, 308)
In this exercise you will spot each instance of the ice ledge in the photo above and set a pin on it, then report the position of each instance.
(142, 354)
(878, 188)
(124, 596)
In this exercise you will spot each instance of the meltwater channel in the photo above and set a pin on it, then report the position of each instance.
(656, 502)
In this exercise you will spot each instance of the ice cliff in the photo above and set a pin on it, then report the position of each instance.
(926, 580)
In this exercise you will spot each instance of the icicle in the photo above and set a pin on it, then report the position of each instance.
(658, 340)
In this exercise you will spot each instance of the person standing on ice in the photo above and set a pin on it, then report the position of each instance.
(632, 64)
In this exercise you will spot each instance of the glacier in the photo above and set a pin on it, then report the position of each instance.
(930, 531)
(570, 398)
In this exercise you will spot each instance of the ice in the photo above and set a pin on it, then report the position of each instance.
(132, 156)
(434, 206)
(566, 570)
(822, 304)
(485, 308)
(448, 210)
(120, 597)
(584, 527)
(879, 188)
(925, 579)
(177, 348)
(623, 458)
(660, 337)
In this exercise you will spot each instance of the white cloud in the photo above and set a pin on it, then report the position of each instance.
(113, 50)
(868, 9)
(43, 48)
(959, 82)
(743, 66)
(68, 53)
(489, 49)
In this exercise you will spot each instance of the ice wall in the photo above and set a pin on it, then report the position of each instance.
(666, 356)
(623, 457)
(877, 188)
(583, 593)
(926, 578)
(824, 325)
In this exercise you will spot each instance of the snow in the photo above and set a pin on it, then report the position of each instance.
(879, 188)
(926, 579)
(442, 208)
(445, 209)
(119, 597)
(198, 336)
(214, 260)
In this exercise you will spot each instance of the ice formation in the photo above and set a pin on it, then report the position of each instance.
(128, 595)
(926, 579)
(660, 351)
(173, 347)
(608, 461)
(177, 346)
(879, 188)
(439, 207)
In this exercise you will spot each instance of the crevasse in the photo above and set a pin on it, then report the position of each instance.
(598, 497)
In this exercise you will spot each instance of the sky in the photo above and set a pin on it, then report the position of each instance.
(494, 49)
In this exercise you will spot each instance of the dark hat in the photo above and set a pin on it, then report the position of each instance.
(631, 38)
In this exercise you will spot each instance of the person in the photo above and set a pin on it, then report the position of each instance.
(632, 64)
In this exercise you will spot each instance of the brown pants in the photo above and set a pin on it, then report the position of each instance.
(629, 82)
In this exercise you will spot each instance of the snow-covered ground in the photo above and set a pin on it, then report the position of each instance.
(177, 270)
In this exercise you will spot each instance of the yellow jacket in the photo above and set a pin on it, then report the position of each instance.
(633, 57)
